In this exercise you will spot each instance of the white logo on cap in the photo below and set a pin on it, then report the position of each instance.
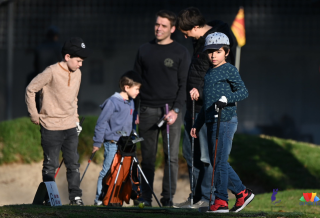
(83, 45)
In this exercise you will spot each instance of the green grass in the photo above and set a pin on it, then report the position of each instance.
(272, 162)
(87, 211)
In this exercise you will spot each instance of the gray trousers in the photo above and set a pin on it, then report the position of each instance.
(149, 130)
(66, 141)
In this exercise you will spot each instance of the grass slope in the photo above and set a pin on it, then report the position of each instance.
(269, 162)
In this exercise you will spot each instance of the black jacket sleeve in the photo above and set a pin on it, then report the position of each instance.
(182, 80)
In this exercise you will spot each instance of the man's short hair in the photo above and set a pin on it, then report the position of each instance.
(172, 17)
(189, 18)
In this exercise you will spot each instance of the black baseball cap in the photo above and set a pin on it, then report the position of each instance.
(75, 47)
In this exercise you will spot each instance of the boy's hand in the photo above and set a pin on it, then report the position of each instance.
(194, 133)
(95, 149)
(137, 120)
(194, 94)
(223, 101)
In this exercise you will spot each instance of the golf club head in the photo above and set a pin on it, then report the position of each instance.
(134, 132)
(123, 133)
(137, 140)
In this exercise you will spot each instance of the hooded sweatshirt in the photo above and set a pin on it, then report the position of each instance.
(116, 115)
(59, 98)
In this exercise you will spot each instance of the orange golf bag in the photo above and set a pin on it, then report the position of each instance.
(122, 180)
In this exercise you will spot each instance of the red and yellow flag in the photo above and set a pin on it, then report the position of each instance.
(238, 28)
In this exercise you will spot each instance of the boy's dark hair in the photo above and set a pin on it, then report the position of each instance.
(226, 48)
(71, 56)
(189, 18)
(130, 78)
(172, 17)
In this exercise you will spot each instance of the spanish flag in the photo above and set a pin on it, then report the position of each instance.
(238, 28)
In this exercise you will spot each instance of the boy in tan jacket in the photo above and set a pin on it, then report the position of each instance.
(58, 116)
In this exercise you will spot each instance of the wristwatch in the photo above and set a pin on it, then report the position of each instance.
(176, 110)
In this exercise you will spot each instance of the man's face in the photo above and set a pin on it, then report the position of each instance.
(163, 29)
(73, 63)
(191, 33)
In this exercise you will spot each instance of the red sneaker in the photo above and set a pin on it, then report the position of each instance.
(243, 199)
(219, 206)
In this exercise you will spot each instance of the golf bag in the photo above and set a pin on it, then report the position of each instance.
(122, 181)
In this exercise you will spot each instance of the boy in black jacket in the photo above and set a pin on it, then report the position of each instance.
(192, 24)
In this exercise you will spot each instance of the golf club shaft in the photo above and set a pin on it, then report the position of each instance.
(215, 151)
(89, 161)
(81, 121)
(145, 179)
(169, 164)
(192, 150)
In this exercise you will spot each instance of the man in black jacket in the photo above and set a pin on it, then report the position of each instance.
(163, 65)
(192, 24)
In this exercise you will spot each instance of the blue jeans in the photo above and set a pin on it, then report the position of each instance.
(110, 149)
(202, 172)
(224, 175)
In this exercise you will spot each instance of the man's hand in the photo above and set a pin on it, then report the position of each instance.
(137, 120)
(194, 94)
(194, 133)
(79, 128)
(171, 117)
(95, 149)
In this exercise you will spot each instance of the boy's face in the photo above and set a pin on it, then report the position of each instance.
(132, 91)
(193, 33)
(163, 29)
(217, 56)
(73, 63)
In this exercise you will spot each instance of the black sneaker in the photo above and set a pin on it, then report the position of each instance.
(166, 202)
(243, 199)
(77, 201)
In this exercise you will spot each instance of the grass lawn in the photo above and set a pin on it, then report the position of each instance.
(261, 206)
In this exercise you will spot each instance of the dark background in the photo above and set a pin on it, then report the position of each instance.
(280, 63)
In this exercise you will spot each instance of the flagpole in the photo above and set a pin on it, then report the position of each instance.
(238, 53)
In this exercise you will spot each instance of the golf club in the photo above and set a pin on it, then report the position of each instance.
(55, 175)
(205, 209)
(169, 165)
(89, 161)
(192, 150)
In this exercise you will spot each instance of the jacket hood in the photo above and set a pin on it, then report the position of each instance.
(116, 96)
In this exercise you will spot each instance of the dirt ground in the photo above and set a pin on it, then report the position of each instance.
(19, 183)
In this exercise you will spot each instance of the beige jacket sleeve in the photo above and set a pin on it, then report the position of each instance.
(76, 103)
(34, 86)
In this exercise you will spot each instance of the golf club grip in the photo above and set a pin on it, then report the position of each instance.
(167, 111)
(81, 121)
(92, 155)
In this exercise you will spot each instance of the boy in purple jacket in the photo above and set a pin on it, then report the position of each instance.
(116, 115)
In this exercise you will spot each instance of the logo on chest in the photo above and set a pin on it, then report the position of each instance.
(168, 62)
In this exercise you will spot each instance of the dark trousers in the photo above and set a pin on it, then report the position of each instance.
(149, 130)
(66, 141)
